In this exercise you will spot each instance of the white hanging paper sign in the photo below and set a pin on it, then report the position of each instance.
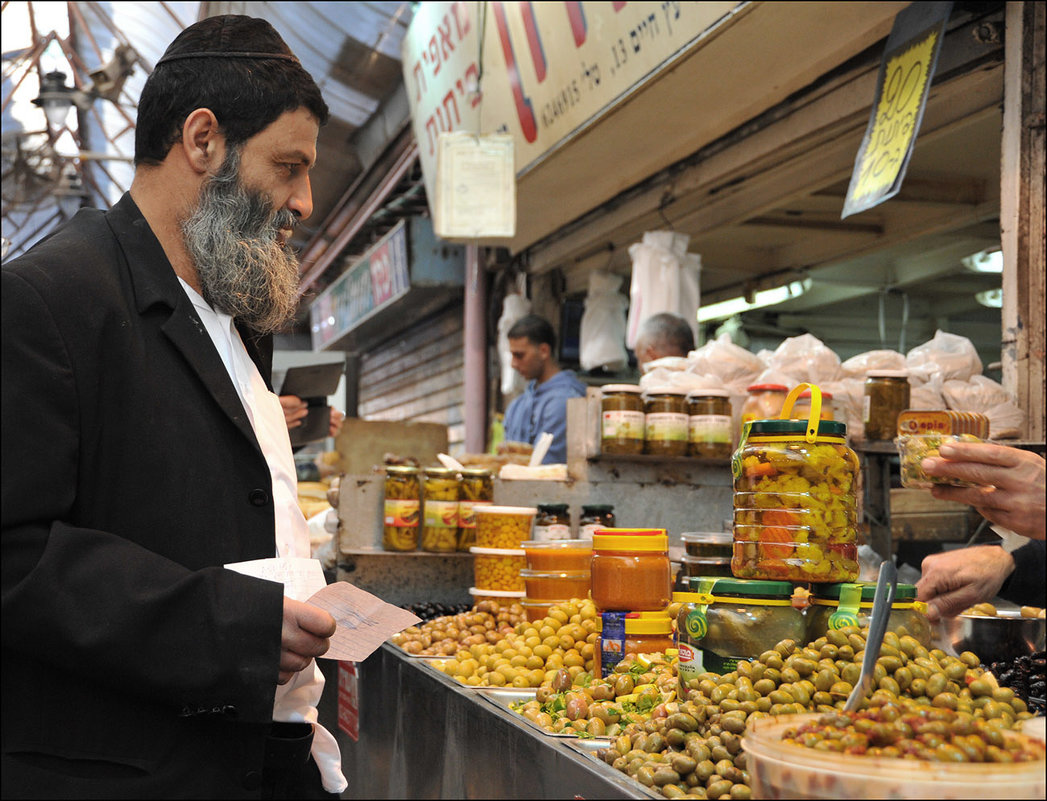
(475, 186)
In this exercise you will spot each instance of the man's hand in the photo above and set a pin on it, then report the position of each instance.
(305, 635)
(295, 410)
(1012, 484)
(955, 580)
(335, 424)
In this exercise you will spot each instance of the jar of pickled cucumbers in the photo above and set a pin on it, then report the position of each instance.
(836, 606)
(402, 507)
(795, 499)
(666, 421)
(440, 510)
(475, 488)
(621, 419)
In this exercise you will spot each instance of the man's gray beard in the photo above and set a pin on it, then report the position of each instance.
(231, 237)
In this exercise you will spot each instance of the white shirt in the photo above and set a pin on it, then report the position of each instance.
(295, 701)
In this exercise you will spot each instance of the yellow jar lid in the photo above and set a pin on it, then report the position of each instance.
(631, 539)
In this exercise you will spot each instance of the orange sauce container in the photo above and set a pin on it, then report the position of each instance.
(630, 570)
(558, 554)
(545, 585)
(644, 633)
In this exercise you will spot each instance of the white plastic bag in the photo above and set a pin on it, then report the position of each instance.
(602, 332)
(807, 359)
(734, 366)
(665, 279)
(982, 394)
(945, 356)
(858, 366)
(514, 307)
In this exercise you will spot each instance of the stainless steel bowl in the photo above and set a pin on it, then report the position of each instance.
(996, 639)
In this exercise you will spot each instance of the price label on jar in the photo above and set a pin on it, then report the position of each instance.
(554, 531)
(623, 425)
(441, 514)
(401, 513)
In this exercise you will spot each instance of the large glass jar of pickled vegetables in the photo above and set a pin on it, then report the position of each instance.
(440, 510)
(725, 620)
(402, 507)
(631, 571)
(795, 505)
(475, 488)
(836, 606)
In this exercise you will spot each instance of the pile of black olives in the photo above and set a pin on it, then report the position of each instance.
(1026, 676)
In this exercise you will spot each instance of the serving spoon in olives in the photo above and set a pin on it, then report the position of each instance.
(886, 584)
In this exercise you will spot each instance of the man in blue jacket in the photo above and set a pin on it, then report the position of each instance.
(543, 405)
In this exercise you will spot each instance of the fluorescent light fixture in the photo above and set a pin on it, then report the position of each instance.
(993, 298)
(766, 297)
(987, 261)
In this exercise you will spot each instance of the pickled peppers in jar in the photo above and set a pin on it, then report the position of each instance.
(440, 510)
(402, 507)
(795, 499)
(475, 488)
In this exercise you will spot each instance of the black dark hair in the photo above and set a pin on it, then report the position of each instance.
(238, 67)
(536, 329)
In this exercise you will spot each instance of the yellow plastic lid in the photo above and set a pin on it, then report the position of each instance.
(635, 539)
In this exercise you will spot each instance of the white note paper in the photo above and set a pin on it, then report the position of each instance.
(365, 621)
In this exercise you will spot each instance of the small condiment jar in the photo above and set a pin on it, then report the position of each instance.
(666, 421)
(764, 402)
(594, 518)
(836, 606)
(553, 522)
(725, 620)
(440, 510)
(402, 508)
(624, 633)
(886, 395)
(631, 571)
(621, 419)
(709, 423)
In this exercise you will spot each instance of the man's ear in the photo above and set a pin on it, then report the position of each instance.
(545, 350)
(202, 141)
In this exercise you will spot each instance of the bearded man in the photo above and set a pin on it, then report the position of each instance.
(144, 450)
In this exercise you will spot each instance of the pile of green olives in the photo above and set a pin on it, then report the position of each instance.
(692, 749)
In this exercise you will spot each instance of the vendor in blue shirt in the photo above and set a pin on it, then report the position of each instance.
(543, 405)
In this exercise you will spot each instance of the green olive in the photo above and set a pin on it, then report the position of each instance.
(936, 684)
(945, 700)
(704, 770)
(664, 776)
(850, 673)
(908, 645)
(970, 659)
(741, 792)
(837, 638)
(720, 788)
(645, 776)
(903, 676)
(841, 689)
(682, 763)
(673, 791)
(890, 663)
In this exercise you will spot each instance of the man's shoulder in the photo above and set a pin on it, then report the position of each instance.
(70, 256)
(566, 384)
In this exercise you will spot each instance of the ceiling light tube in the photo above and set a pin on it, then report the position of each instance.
(766, 297)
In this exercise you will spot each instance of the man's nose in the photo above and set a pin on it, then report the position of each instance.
(301, 200)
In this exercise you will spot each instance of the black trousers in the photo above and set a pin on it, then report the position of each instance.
(289, 771)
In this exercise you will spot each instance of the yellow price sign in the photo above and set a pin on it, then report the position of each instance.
(905, 77)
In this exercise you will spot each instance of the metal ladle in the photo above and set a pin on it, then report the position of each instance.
(886, 585)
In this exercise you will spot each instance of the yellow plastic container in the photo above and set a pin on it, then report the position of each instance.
(503, 526)
(498, 568)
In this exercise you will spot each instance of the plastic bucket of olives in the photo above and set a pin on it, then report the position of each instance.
(780, 769)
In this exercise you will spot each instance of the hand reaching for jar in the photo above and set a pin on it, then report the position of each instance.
(955, 580)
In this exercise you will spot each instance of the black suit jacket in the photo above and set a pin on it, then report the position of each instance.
(133, 664)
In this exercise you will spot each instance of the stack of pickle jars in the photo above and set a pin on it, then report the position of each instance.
(632, 588)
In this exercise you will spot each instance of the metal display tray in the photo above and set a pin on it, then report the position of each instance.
(505, 699)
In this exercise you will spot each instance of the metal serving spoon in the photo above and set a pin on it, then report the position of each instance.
(886, 585)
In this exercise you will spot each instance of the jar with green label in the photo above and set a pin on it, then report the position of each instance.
(666, 422)
(709, 423)
(621, 419)
(723, 621)
(836, 606)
